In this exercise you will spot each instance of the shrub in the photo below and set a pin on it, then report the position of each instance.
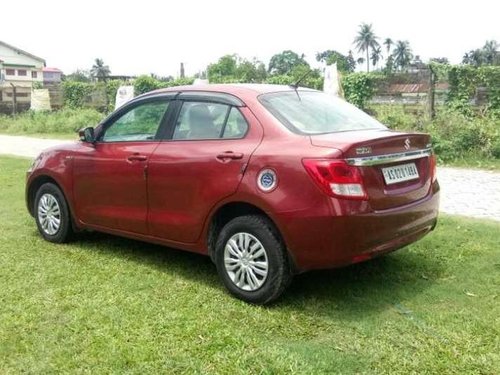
(143, 84)
(464, 81)
(76, 94)
(456, 135)
(65, 121)
(358, 88)
(399, 116)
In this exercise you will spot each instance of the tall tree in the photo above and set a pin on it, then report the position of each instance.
(402, 54)
(388, 44)
(365, 40)
(376, 55)
(351, 61)
(490, 51)
(440, 60)
(232, 68)
(285, 62)
(344, 64)
(225, 67)
(100, 71)
(489, 54)
(78, 75)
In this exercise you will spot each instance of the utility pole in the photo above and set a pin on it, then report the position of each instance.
(14, 100)
(432, 92)
(182, 70)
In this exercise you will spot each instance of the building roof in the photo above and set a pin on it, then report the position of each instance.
(51, 70)
(18, 50)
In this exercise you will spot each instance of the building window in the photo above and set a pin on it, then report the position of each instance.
(34, 75)
(10, 72)
(22, 72)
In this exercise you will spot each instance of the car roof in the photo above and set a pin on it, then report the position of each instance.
(237, 89)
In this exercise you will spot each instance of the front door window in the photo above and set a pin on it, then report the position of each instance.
(139, 124)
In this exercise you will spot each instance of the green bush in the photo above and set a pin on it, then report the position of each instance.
(358, 88)
(65, 121)
(399, 116)
(144, 84)
(111, 88)
(454, 135)
(76, 94)
(464, 81)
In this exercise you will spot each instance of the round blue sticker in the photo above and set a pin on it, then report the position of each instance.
(267, 180)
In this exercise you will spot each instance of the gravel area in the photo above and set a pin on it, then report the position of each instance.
(26, 146)
(466, 192)
(470, 192)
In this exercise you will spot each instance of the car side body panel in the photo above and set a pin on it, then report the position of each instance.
(318, 230)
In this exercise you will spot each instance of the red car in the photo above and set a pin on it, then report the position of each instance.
(269, 181)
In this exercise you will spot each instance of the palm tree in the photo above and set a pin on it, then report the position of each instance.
(402, 54)
(100, 71)
(360, 60)
(388, 44)
(376, 55)
(365, 40)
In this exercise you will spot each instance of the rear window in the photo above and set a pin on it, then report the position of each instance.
(314, 112)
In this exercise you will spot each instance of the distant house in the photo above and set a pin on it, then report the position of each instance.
(19, 67)
(19, 70)
(51, 76)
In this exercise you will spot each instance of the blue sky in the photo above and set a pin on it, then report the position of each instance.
(155, 36)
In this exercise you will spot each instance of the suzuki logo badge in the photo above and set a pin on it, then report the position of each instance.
(407, 144)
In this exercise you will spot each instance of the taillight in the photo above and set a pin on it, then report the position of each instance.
(433, 167)
(336, 178)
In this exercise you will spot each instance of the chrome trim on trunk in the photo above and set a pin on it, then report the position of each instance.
(389, 158)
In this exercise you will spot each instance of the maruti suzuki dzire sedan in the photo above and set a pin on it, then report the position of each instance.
(269, 181)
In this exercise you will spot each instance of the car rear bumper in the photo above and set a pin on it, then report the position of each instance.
(320, 242)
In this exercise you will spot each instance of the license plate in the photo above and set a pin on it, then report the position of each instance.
(400, 173)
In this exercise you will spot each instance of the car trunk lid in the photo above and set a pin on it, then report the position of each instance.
(395, 166)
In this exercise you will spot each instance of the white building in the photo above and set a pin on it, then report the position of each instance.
(20, 67)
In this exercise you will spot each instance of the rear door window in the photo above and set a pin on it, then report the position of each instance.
(204, 120)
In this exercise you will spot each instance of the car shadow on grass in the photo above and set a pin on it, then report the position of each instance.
(352, 291)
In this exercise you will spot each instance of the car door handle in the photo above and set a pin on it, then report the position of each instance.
(230, 155)
(137, 157)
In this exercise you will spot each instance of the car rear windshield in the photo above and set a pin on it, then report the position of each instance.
(314, 112)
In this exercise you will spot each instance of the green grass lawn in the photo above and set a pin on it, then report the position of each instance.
(108, 305)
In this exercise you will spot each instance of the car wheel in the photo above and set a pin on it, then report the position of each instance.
(52, 214)
(251, 259)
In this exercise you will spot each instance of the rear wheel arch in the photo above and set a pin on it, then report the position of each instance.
(231, 210)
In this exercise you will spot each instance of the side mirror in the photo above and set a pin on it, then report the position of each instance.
(87, 134)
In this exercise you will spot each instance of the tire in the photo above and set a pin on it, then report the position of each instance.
(52, 214)
(243, 272)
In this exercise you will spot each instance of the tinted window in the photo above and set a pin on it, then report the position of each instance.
(198, 120)
(236, 125)
(139, 124)
(315, 112)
